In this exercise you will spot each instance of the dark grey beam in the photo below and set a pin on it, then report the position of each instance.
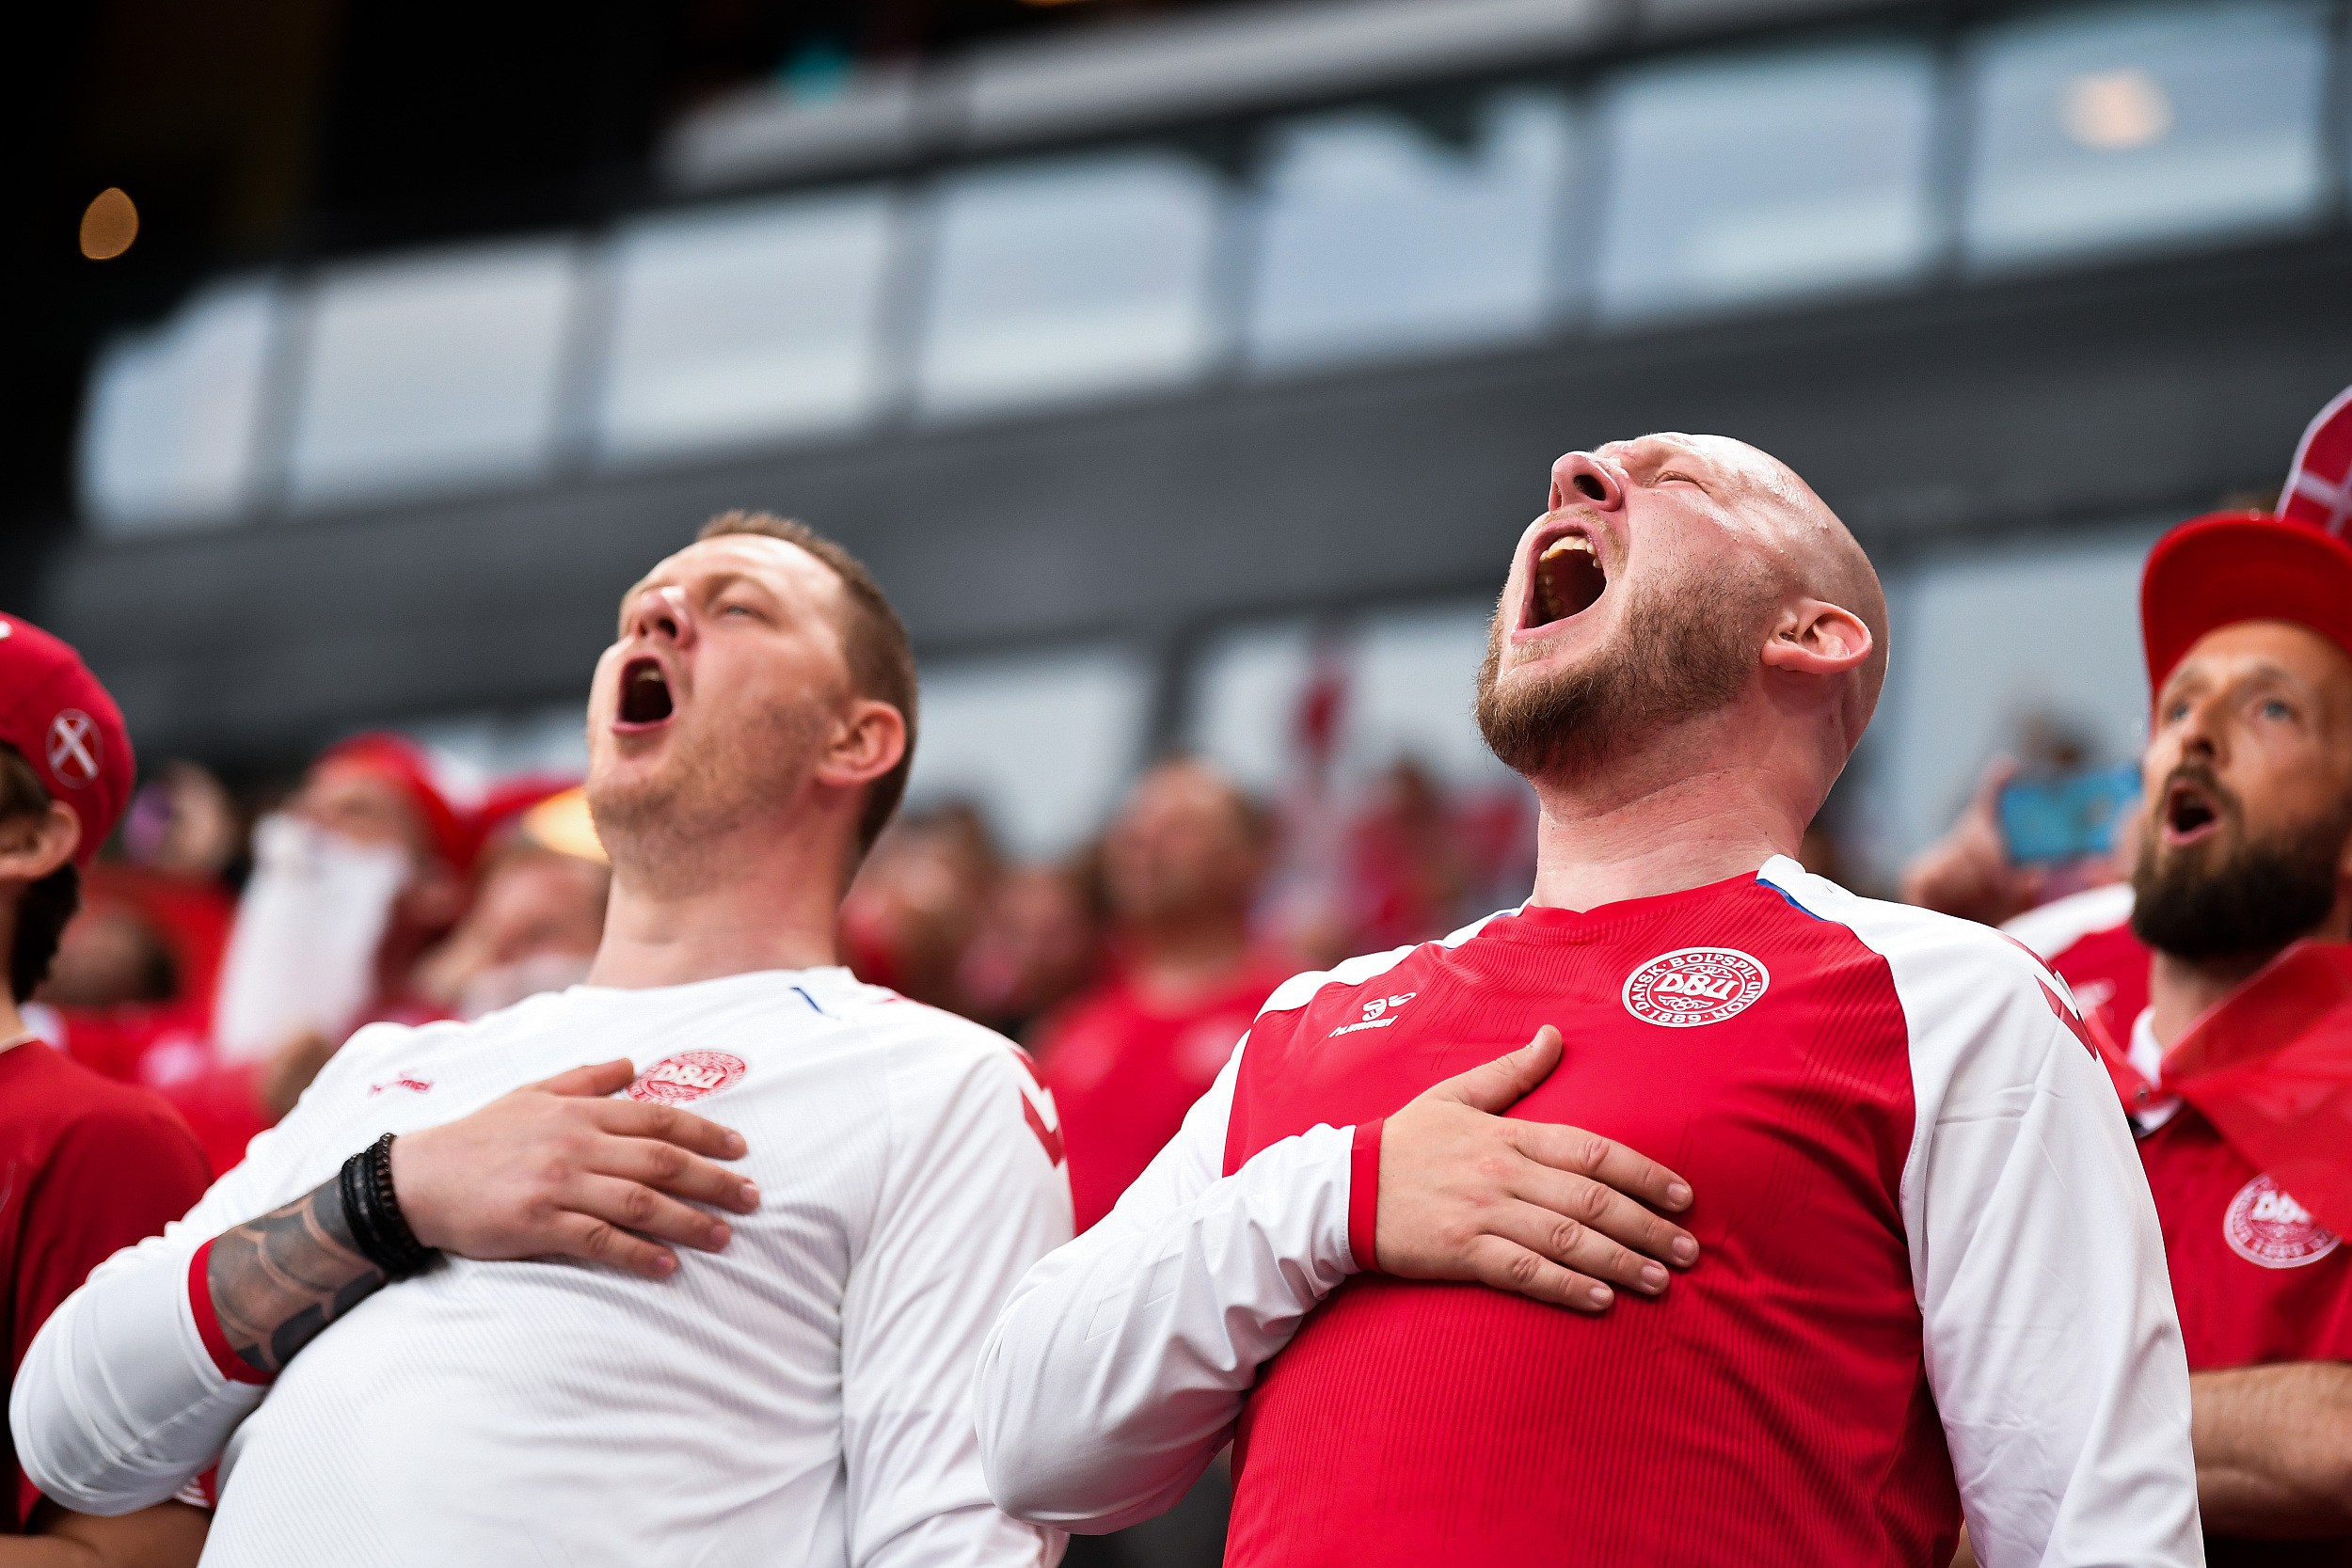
(1966, 413)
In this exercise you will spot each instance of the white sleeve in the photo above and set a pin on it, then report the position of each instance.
(973, 1196)
(1119, 1366)
(119, 1404)
(2051, 1341)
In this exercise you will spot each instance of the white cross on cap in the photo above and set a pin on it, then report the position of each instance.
(73, 748)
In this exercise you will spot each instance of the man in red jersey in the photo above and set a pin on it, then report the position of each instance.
(1932, 1280)
(1126, 1059)
(2248, 849)
(86, 1165)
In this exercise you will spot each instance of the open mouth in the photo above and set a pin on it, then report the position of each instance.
(1568, 579)
(2190, 813)
(644, 693)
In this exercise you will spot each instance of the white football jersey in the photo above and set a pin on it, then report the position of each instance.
(801, 1397)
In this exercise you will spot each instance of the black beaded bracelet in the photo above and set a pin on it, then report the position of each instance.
(372, 1209)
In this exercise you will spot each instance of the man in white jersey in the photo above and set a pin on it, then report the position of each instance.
(534, 1369)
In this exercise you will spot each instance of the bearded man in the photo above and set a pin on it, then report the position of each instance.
(535, 1318)
(1375, 1258)
(2236, 1068)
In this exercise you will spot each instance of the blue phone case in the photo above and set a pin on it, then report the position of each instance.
(2066, 817)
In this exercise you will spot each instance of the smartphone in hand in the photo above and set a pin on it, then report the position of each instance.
(2066, 817)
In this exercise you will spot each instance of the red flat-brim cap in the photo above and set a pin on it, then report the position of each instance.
(2229, 566)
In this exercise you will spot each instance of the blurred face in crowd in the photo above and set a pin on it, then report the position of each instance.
(534, 926)
(2247, 836)
(1183, 846)
(1645, 594)
(361, 803)
(726, 691)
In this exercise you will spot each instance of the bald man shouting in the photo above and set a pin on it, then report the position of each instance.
(1431, 1291)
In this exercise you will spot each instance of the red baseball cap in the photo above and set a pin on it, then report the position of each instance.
(2229, 566)
(62, 721)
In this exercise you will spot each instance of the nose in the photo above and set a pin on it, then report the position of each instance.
(1579, 479)
(661, 614)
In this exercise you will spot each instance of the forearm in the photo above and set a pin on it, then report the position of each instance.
(2274, 1450)
(1119, 1366)
(278, 1281)
(134, 1384)
(168, 1536)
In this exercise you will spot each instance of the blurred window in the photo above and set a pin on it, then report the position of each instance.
(2110, 128)
(1061, 279)
(1402, 681)
(168, 438)
(746, 322)
(1381, 234)
(1731, 180)
(434, 369)
(1043, 743)
(1994, 637)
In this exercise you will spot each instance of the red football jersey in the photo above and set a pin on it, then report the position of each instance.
(88, 1166)
(1799, 1387)
(1931, 1279)
(2256, 1277)
(1123, 1072)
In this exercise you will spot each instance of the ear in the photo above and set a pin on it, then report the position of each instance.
(867, 740)
(35, 844)
(1816, 638)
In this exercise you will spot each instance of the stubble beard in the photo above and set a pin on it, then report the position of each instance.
(2235, 897)
(674, 822)
(1679, 655)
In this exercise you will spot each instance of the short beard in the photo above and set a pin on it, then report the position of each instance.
(2253, 903)
(1677, 656)
(667, 829)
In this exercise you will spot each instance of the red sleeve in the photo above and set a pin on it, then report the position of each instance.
(1363, 1194)
(114, 1177)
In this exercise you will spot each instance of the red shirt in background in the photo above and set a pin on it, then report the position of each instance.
(88, 1166)
(1123, 1070)
(2255, 1278)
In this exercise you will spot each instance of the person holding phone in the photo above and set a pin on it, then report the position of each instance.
(2217, 1013)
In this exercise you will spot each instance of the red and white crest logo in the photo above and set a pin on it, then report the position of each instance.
(75, 748)
(1697, 985)
(688, 1075)
(2267, 1228)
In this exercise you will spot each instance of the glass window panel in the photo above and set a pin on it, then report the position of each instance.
(1405, 679)
(168, 434)
(1064, 277)
(756, 320)
(1991, 639)
(1376, 235)
(432, 371)
(1734, 180)
(1042, 742)
(2105, 129)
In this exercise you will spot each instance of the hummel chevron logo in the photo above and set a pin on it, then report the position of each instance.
(1376, 1014)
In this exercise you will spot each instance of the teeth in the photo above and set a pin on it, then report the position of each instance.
(1565, 543)
(642, 677)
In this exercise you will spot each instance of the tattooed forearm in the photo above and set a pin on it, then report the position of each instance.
(277, 1281)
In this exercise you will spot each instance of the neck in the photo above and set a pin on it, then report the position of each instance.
(2180, 989)
(765, 899)
(1706, 801)
(1170, 960)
